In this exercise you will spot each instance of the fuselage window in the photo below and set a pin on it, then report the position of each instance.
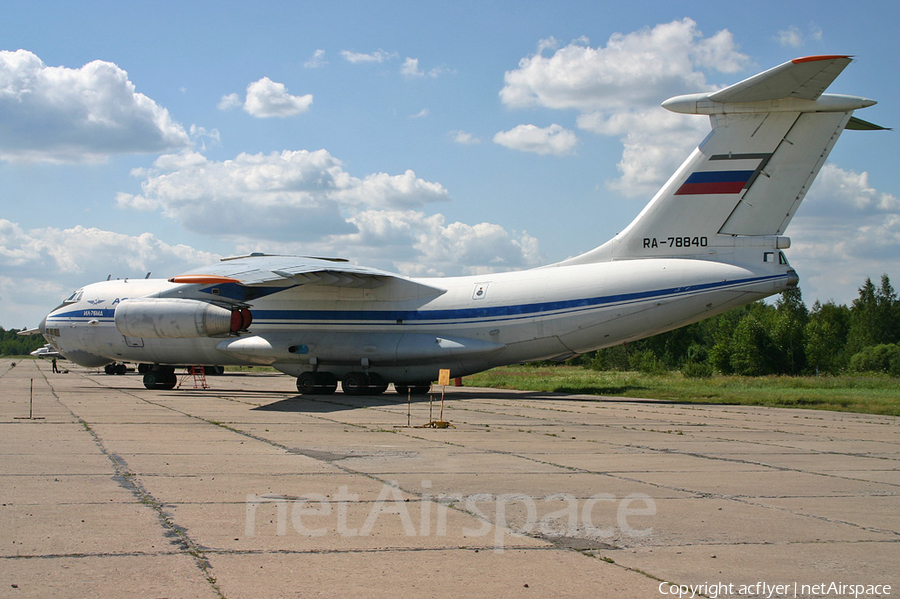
(74, 298)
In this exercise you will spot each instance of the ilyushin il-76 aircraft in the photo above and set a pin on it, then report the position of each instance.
(710, 240)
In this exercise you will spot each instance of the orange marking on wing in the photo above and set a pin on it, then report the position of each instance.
(202, 279)
(815, 58)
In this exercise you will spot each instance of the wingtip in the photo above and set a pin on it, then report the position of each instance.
(821, 57)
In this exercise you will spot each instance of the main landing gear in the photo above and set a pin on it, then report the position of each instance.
(322, 383)
(354, 383)
(160, 378)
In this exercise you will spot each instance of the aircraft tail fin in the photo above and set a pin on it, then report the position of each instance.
(770, 136)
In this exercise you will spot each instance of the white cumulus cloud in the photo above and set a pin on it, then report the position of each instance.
(792, 37)
(844, 231)
(317, 61)
(616, 88)
(39, 267)
(410, 69)
(654, 143)
(378, 56)
(464, 137)
(643, 67)
(266, 98)
(417, 244)
(554, 139)
(304, 202)
(230, 101)
(288, 195)
(61, 114)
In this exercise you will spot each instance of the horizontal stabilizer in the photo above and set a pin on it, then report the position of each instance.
(795, 86)
(803, 78)
(856, 124)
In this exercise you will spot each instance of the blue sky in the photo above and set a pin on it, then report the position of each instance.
(444, 138)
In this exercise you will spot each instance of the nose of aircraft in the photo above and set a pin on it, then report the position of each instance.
(793, 278)
(71, 347)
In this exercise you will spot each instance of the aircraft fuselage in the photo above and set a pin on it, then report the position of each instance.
(407, 330)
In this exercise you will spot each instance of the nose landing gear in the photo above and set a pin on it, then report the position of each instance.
(115, 368)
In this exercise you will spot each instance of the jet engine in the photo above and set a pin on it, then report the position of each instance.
(174, 318)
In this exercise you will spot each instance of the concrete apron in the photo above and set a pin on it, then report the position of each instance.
(248, 490)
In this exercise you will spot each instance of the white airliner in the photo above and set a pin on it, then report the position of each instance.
(710, 240)
(47, 351)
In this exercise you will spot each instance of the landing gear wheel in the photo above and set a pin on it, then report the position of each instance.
(110, 368)
(327, 383)
(355, 383)
(306, 383)
(152, 379)
(170, 380)
(321, 383)
(160, 379)
(377, 384)
(401, 389)
(121, 369)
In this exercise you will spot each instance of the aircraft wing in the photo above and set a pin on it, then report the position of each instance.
(803, 78)
(264, 270)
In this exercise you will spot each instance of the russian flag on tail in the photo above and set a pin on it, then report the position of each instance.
(715, 182)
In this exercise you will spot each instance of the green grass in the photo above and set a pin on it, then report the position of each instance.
(869, 394)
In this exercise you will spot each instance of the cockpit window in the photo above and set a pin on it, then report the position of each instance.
(74, 298)
(782, 259)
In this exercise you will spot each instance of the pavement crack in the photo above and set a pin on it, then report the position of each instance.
(128, 480)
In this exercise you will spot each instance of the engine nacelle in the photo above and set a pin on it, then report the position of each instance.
(173, 318)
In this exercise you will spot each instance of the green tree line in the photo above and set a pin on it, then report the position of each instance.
(12, 344)
(784, 337)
